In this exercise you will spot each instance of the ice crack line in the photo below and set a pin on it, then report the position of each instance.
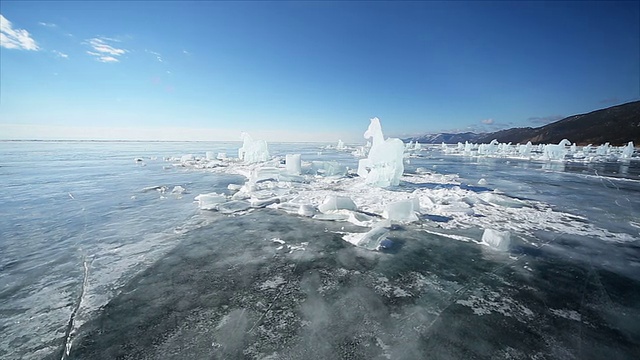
(69, 333)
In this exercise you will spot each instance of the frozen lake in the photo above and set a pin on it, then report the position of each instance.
(108, 257)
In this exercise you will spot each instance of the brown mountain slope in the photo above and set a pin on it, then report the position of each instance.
(617, 125)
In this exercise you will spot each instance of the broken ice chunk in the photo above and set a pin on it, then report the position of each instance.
(186, 158)
(499, 240)
(369, 240)
(210, 201)
(233, 206)
(260, 203)
(404, 210)
(293, 164)
(264, 174)
(334, 202)
(306, 210)
(178, 190)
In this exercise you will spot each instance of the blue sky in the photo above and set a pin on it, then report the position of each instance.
(308, 70)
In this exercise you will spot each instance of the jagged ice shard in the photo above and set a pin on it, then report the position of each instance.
(253, 151)
(384, 165)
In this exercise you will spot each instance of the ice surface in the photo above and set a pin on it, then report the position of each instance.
(384, 165)
(499, 240)
(253, 151)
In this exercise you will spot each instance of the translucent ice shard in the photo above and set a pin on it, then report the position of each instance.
(384, 165)
(333, 202)
(370, 240)
(404, 210)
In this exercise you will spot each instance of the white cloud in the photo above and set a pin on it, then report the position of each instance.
(157, 55)
(487, 121)
(103, 58)
(103, 51)
(11, 38)
(51, 25)
(60, 54)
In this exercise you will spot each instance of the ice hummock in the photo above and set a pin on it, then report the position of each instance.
(384, 165)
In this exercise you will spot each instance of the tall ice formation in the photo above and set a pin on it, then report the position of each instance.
(384, 165)
(252, 151)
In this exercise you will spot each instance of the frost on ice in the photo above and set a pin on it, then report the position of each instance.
(384, 165)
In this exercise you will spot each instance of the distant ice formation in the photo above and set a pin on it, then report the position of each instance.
(384, 165)
(556, 152)
(563, 151)
(253, 151)
(326, 190)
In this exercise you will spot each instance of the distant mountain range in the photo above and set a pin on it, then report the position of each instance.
(617, 125)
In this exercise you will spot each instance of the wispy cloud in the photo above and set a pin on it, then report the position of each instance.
(545, 119)
(103, 50)
(487, 121)
(11, 38)
(157, 55)
(60, 54)
(51, 25)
